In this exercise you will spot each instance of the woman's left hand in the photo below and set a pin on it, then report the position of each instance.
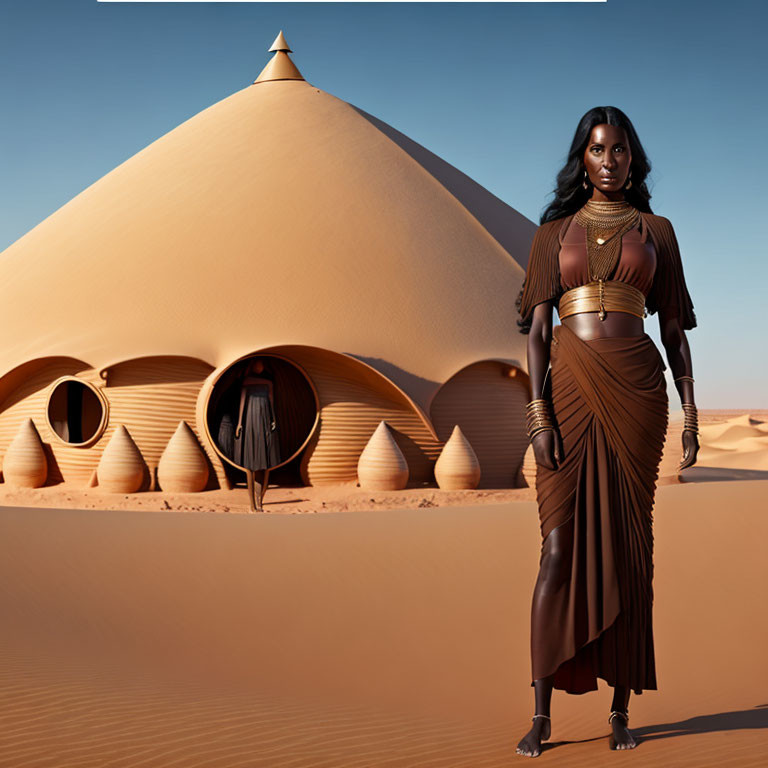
(690, 449)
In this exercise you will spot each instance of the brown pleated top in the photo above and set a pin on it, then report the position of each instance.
(636, 266)
(650, 260)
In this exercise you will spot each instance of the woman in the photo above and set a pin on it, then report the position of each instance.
(256, 446)
(598, 424)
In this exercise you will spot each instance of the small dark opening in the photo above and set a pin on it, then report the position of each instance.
(75, 411)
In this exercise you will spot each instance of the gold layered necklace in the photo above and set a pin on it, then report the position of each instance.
(606, 223)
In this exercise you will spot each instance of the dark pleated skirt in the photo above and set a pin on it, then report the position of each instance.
(610, 404)
(258, 446)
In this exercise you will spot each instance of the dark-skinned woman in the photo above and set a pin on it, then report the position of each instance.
(598, 418)
(256, 446)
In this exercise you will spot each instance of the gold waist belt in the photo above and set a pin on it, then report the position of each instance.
(602, 296)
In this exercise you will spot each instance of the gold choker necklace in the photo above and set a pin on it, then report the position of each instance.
(607, 204)
(606, 223)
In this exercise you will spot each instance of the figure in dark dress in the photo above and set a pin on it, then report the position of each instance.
(255, 445)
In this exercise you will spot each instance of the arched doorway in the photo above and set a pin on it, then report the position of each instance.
(296, 413)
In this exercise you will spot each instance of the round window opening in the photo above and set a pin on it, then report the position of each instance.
(77, 411)
(276, 407)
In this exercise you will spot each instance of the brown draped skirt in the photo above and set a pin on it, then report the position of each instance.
(610, 405)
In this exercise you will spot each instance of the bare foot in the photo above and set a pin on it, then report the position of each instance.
(530, 744)
(621, 738)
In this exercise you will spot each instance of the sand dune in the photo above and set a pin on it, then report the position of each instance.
(733, 446)
(358, 639)
(751, 454)
(740, 442)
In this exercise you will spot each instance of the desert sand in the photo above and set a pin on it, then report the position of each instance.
(371, 637)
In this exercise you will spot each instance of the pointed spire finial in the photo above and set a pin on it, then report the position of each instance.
(280, 44)
(280, 66)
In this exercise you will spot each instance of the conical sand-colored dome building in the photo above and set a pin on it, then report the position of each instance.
(284, 223)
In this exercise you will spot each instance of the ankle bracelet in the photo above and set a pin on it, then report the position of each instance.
(535, 716)
(615, 712)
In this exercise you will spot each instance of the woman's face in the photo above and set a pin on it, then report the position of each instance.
(607, 158)
(257, 366)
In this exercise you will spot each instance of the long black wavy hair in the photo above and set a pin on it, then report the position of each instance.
(570, 194)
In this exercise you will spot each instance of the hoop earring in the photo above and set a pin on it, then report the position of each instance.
(629, 181)
(586, 177)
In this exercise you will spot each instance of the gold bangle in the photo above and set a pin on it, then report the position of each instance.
(691, 418)
(536, 432)
(538, 417)
(685, 378)
(537, 420)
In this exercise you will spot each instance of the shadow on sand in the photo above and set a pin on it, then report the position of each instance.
(740, 720)
(720, 474)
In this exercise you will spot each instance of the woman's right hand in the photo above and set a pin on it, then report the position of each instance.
(546, 448)
(238, 430)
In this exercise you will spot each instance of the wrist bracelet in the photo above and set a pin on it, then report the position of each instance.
(691, 418)
(538, 417)
(540, 429)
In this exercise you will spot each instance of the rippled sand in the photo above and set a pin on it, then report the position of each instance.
(358, 639)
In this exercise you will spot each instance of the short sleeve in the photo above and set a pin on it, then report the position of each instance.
(542, 275)
(669, 290)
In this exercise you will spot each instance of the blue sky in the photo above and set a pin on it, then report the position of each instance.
(496, 89)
